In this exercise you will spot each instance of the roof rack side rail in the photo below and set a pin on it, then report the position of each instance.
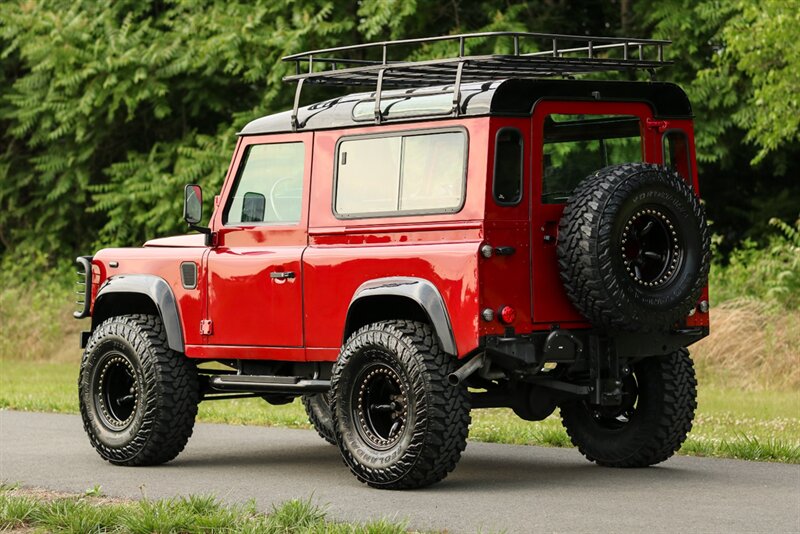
(554, 55)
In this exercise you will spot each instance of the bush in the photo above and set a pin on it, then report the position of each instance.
(770, 274)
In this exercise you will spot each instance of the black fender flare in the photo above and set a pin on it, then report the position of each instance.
(419, 290)
(158, 291)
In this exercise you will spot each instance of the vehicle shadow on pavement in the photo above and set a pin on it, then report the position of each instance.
(479, 473)
(478, 470)
(322, 455)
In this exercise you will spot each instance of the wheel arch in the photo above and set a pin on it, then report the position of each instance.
(400, 298)
(140, 293)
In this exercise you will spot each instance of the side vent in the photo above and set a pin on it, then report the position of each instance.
(84, 286)
(189, 274)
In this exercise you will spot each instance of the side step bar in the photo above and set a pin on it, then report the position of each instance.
(267, 384)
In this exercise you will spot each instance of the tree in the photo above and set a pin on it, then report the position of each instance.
(107, 109)
(739, 63)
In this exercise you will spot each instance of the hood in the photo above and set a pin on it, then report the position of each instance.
(189, 240)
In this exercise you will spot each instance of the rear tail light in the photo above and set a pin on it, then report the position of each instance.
(507, 314)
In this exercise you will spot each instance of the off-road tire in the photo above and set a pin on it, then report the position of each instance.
(434, 432)
(318, 410)
(163, 383)
(603, 267)
(667, 399)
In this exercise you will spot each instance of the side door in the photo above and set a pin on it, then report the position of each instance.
(571, 140)
(255, 275)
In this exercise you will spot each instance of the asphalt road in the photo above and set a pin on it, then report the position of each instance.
(495, 487)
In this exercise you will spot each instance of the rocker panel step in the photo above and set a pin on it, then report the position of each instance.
(277, 384)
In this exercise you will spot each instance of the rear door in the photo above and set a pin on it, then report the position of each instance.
(571, 140)
(255, 273)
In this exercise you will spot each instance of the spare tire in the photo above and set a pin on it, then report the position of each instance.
(633, 247)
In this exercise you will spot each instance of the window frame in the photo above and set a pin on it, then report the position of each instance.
(231, 194)
(521, 167)
(398, 213)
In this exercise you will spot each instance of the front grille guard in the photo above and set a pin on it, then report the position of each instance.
(84, 286)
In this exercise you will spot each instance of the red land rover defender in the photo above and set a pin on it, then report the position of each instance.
(475, 231)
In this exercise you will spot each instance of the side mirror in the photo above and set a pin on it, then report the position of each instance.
(192, 204)
(193, 212)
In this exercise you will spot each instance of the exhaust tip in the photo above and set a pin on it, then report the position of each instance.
(453, 379)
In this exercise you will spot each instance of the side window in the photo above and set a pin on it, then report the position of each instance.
(507, 185)
(368, 175)
(408, 173)
(575, 146)
(676, 153)
(269, 186)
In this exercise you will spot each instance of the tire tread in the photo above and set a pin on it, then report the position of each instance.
(171, 388)
(436, 448)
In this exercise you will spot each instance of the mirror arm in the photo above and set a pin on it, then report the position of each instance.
(211, 237)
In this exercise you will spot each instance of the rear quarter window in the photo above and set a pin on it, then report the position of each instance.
(507, 185)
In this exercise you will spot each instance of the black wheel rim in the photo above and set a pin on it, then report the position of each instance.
(117, 391)
(380, 406)
(651, 248)
(617, 417)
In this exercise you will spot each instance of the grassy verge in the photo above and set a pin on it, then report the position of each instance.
(22, 509)
(730, 422)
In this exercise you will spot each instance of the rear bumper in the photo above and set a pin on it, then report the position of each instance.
(532, 351)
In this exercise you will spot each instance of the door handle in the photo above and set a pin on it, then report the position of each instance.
(281, 275)
(550, 230)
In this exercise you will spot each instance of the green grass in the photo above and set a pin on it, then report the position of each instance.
(20, 509)
(730, 422)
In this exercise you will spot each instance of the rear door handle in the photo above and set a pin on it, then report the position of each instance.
(281, 275)
(550, 230)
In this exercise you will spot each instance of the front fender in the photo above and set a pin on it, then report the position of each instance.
(158, 291)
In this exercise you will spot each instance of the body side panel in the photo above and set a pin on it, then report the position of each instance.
(439, 248)
(334, 275)
(160, 263)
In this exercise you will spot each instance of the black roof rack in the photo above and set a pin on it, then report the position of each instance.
(558, 55)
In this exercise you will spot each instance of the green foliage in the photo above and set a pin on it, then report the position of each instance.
(130, 101)
(108, 109)
(770, 273)
(728, 56)
(740, 61)
(15, 512)
(94, 491)
(762, 45)
(192, 514)
(694, 28)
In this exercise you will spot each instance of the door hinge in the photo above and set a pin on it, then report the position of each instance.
(659, 126)
(206, 327)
